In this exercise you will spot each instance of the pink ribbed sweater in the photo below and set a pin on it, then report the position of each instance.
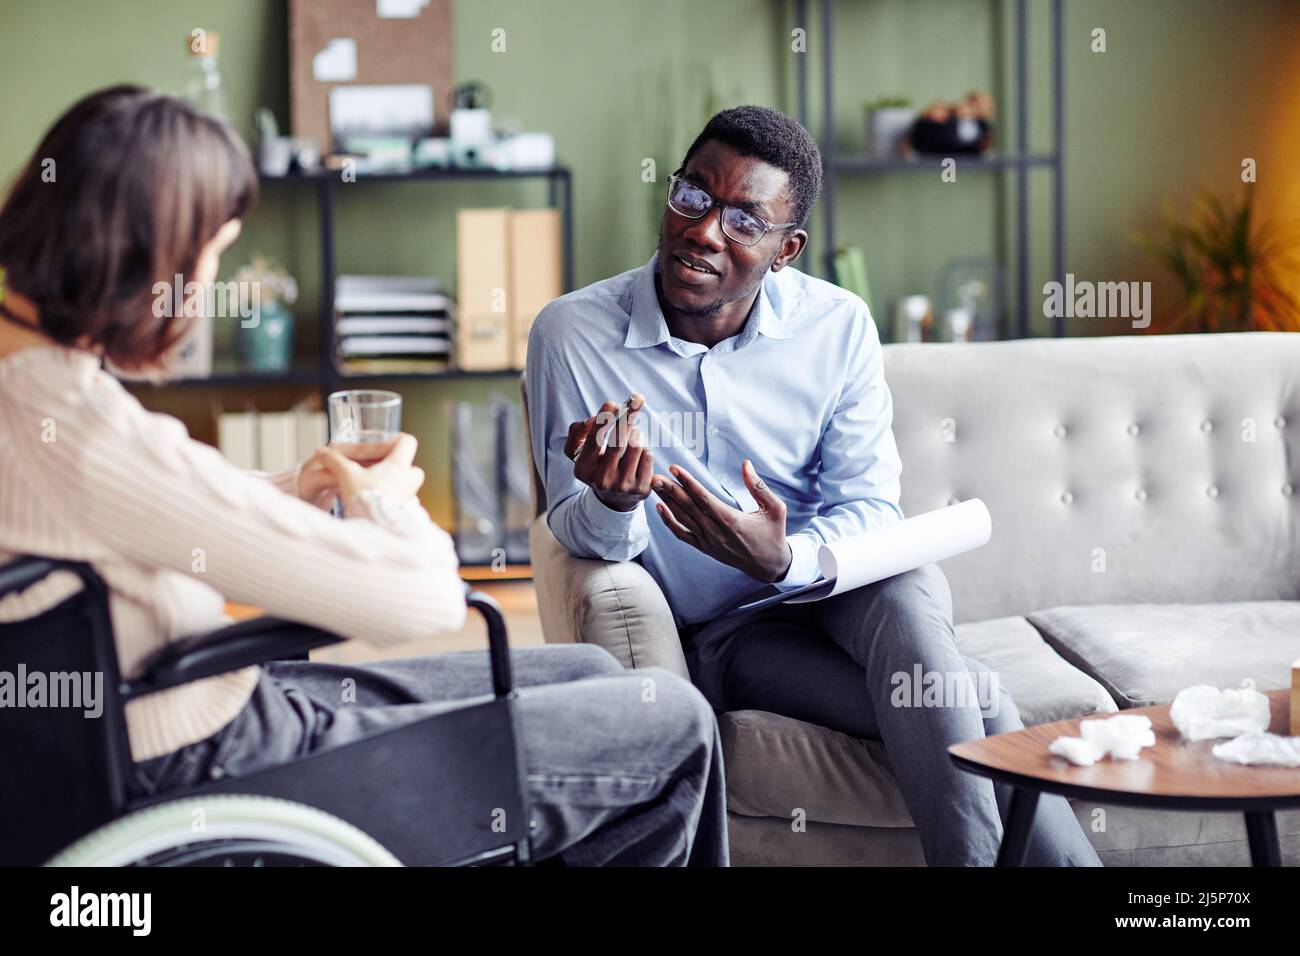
(173, 528)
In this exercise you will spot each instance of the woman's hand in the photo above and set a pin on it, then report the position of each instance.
(393, 474)
(316, 483)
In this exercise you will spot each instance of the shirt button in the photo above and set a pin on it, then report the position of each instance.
(1212, 491)
(1207, 427)
(1059, 431)
(1140, 494)
(1133, 429)
(1287, 489)
(715, 431)
(1066, 497)
(1280, 422)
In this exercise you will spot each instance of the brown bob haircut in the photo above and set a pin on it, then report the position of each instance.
(123, 192)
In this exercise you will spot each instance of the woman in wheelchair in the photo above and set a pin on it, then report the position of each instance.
(130, 193)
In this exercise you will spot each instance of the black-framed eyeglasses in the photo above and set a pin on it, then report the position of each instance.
(739, 225)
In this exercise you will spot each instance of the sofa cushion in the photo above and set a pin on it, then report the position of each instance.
(1146, 653)
(1043, 685)
(777, 766)
(781, 767)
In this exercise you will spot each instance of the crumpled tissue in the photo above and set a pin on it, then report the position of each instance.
(1122, 737)
(1260, 749)
(1203, 712)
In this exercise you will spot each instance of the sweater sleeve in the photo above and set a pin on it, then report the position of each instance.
(138, 486)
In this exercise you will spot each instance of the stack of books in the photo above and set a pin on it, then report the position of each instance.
(392, 325)
(271, 441)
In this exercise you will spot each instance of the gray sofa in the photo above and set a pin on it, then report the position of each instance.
(1145, 494)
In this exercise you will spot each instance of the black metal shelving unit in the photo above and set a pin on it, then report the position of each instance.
(325, 375)
(1019, 161)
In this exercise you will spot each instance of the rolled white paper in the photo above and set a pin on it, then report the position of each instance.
(933, 536)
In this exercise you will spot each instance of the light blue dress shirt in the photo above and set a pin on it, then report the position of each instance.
(800, 391)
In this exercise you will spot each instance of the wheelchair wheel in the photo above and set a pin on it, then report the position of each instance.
(226, 830)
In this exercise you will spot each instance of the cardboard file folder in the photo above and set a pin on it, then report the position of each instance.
(535, 269)
(483, 288)
(509, 267)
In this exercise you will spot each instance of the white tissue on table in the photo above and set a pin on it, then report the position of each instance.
(1203, 712)
(1122, 737)
(1260, 749)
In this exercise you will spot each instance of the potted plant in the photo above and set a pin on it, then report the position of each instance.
(889, 119)
(266, 339)
(1234, 272)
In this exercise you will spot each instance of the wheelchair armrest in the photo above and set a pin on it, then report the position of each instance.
(244, 644)
(266, 638)
(23, 572)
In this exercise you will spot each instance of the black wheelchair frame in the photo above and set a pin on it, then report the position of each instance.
(458, 772)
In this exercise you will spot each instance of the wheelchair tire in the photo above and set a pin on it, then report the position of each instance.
(236, 829)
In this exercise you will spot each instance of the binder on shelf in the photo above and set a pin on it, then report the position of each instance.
(277, 441)
(237, 438)
(312, 433)
(483, 289)
(270, 441)
(536, 270)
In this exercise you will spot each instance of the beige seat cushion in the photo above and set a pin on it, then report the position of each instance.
(1146, 653)
(778, 766)
(1044, 686)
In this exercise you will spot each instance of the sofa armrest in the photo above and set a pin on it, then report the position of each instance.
(614, 604)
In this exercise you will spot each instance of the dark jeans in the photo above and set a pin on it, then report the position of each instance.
(622, 768)
(844, 663)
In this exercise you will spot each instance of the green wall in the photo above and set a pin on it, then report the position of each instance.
(1185, 90)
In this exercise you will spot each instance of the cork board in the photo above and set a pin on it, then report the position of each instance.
(396, 50)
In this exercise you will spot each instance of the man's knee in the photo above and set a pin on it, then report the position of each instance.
(920, 594)
(996, 706)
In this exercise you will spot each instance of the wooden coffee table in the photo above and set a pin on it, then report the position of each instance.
(1172, 775)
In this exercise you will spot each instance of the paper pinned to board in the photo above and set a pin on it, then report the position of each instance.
(400, 9)
(866, 558)
(337, 63)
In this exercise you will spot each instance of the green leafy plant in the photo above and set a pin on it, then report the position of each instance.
(1235, 272)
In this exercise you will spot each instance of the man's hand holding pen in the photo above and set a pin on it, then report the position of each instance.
(610, 456)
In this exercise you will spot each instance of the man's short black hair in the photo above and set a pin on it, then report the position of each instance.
(775, 138)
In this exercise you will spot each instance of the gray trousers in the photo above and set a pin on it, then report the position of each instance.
(850, 663)
(622, 768)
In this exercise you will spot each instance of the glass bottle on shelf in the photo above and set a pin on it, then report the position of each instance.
(203, 86)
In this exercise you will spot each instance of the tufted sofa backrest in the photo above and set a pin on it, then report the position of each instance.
(1131, 469)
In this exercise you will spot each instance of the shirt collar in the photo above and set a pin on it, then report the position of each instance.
(648, 327)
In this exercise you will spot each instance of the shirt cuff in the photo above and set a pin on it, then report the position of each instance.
(804, 568)
(604, 520)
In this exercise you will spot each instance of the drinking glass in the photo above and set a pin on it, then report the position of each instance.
(365, 423)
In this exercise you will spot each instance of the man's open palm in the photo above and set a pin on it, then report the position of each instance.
(753, 542)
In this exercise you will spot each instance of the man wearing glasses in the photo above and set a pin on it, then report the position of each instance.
(760, 422)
